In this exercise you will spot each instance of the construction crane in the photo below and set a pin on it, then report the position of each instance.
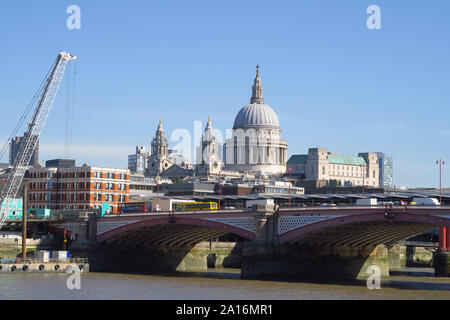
(31, 137)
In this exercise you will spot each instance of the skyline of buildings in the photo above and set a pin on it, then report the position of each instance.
(314, 72)
(255, 147)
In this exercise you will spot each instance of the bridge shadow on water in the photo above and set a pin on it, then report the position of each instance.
(404, 279)
(416, 285)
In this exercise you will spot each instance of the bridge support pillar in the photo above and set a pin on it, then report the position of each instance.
(397, 258)
(309, 261)
(86, 235)
(262, 256)
(443, 237)
(265, 258)
(441, 263)
(448, 238)
(410, 251)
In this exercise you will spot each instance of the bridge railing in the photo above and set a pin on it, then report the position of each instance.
(170, 213)
(307, 210)
(419, 244)
(34, 218)
(354, 208)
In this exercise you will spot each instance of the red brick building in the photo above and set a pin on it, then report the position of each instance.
(69, 187)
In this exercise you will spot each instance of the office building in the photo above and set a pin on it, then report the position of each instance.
(62, 185)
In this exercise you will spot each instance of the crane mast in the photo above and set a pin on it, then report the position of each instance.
(31, 137)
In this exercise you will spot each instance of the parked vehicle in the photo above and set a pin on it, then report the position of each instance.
(425, 202)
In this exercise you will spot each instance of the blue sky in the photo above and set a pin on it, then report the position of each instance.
(333, 82)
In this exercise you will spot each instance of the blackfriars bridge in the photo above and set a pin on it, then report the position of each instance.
(329, 241)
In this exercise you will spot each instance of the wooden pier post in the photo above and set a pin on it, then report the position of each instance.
(24, 220)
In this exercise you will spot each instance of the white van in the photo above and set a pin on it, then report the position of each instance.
(426, 202)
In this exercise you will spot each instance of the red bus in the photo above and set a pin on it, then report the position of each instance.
(135, 207)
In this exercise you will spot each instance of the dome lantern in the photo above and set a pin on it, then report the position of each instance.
(257, 114)
(257, 95)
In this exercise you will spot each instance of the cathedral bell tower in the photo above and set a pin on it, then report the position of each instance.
(210, 156)
(159, 159)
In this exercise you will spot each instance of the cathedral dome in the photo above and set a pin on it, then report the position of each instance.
(256, 115)
(256, 145)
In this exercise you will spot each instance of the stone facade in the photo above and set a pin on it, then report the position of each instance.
(321, 165)
(210, 162)
(159, 160)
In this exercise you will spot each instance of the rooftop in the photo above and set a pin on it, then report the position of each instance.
(338, 159)
(297, 158)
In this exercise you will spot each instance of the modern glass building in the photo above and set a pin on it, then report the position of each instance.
(386, 170)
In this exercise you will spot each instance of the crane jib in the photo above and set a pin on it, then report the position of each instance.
(35, 127)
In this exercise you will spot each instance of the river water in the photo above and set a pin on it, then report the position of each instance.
(217, 284)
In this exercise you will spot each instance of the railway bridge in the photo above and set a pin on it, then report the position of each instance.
(328, 241)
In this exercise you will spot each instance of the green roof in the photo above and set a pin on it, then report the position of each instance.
(337, 159)
(297, 158)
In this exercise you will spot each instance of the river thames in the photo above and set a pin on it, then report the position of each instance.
(215, 285)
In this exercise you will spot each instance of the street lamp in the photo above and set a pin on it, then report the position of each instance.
(157, 192)
(290, 170)
(440, 162)
(220, 189)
